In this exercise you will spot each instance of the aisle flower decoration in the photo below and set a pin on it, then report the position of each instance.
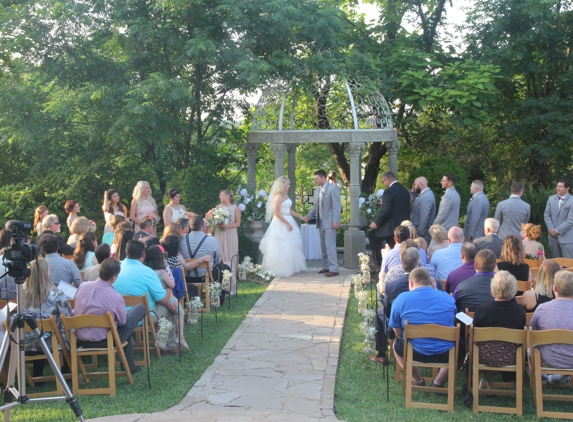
(364, 262)
(165, 326)
(357, 281)
(256, 273)
(194, 305)
(251, 204)
(215, 294)
(226, 280)
(362, 297)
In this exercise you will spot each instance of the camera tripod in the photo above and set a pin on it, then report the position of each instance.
(14, 397)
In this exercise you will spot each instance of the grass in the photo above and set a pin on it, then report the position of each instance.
(171, 380)
(360, 392)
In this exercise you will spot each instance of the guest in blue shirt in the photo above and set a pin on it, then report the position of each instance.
(423, 304)
(448, 259)
(136, 279)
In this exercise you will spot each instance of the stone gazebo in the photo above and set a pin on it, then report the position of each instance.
(328, 110)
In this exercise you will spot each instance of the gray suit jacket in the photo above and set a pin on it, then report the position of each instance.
(511, 214)
(478, 209)
(423, 212)
(560, 219)
(449, 212)
(491, 242)
(330, 207)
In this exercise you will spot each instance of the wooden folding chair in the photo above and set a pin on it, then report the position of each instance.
(564, 262)
(539, 338)
(70, 257)
(114, 347)
(152, 333)
(517, 337)
(436, 332)
(523, 286)
(528, 317)
(533, 263)
(142, 331)
(518, 299)
(59, 350)
(203, 288)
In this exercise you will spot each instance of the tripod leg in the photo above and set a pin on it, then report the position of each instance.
(70, 399)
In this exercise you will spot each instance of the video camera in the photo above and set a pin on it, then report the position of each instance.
(18, 255)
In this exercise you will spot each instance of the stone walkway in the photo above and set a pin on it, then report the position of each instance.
(280, 364)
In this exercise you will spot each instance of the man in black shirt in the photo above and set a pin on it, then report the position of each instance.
(411, 258)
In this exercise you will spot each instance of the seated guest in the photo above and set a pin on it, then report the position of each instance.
(423, 304)
(114, 222)
(42, 299)
(501, 312)
(172, 229)
(391, 257)
(61, 269)
(448, 259)
(514, 259)
(175, 259)
(532, 248)
(410, 257)
(543, 290)
(145, 229)
(120, 243)
(414, 236)
(52, 225)
(184, 223)
(208, 227)
(397, 271)
(98, 297)
(102, 252)
(466, 271)
(490, 240)
(477, 289)
(557, 314)
(136, 279)
(422, 244)
(80, 226)
(439, 237)
(84, 255)
(197, 244)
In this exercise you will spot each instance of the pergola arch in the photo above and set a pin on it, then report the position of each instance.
(324, 110)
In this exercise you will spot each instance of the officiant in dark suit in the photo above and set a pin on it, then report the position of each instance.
(395, 209)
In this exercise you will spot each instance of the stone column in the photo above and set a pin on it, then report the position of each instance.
(252, 165)
(354, 239)
(291, 148)
(393, 155)
(279, 153)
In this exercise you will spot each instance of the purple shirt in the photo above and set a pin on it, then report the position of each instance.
(98, 297)
(461, 274)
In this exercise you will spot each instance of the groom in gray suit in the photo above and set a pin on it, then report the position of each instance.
(559, 220)
(327, 212)
(423, 209)
(478, 208)
(449, 211)
(512, 213)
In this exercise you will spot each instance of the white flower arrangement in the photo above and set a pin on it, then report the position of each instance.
(368, 330)
(226, 284)
(369, 314)
(221, 215)
(356, 279)
(253, 204)
(363, 296)
(195, 303)
(215, 290)
(369, 205)
(254, 272)
(165, 326)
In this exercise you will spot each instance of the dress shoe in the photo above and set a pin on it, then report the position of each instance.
(135, 370)
(173, 351)
(330, 274)
(324, 270)
(380, 359)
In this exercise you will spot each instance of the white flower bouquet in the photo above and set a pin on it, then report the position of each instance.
(221, 215)
(253, 204)
(165, 326)
(368, 206)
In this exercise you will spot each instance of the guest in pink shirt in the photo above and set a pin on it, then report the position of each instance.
(98, 297)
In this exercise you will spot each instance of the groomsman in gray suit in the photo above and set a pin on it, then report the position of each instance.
(449, 211)
(478, 208)
(512, 212)
(423, 208)
(327, 212)
(559, 220)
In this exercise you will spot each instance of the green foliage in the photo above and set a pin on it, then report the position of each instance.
(434, 169)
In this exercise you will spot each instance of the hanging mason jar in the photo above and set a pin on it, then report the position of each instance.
(369, 345)
(242, 274)
(215, 301)
(362, 306)
(234, 284)
(358, 288)
(192, 316)
(226, 284)
(366, 276)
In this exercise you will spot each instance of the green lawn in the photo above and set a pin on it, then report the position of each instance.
(170, 378)
(360, 393)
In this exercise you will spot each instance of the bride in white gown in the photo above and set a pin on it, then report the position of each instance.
(282, 244)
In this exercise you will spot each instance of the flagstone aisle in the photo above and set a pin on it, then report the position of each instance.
(280, 364)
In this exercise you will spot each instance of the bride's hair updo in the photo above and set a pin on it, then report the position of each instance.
(280, 188)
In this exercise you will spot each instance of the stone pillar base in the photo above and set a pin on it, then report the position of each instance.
(354, 243)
